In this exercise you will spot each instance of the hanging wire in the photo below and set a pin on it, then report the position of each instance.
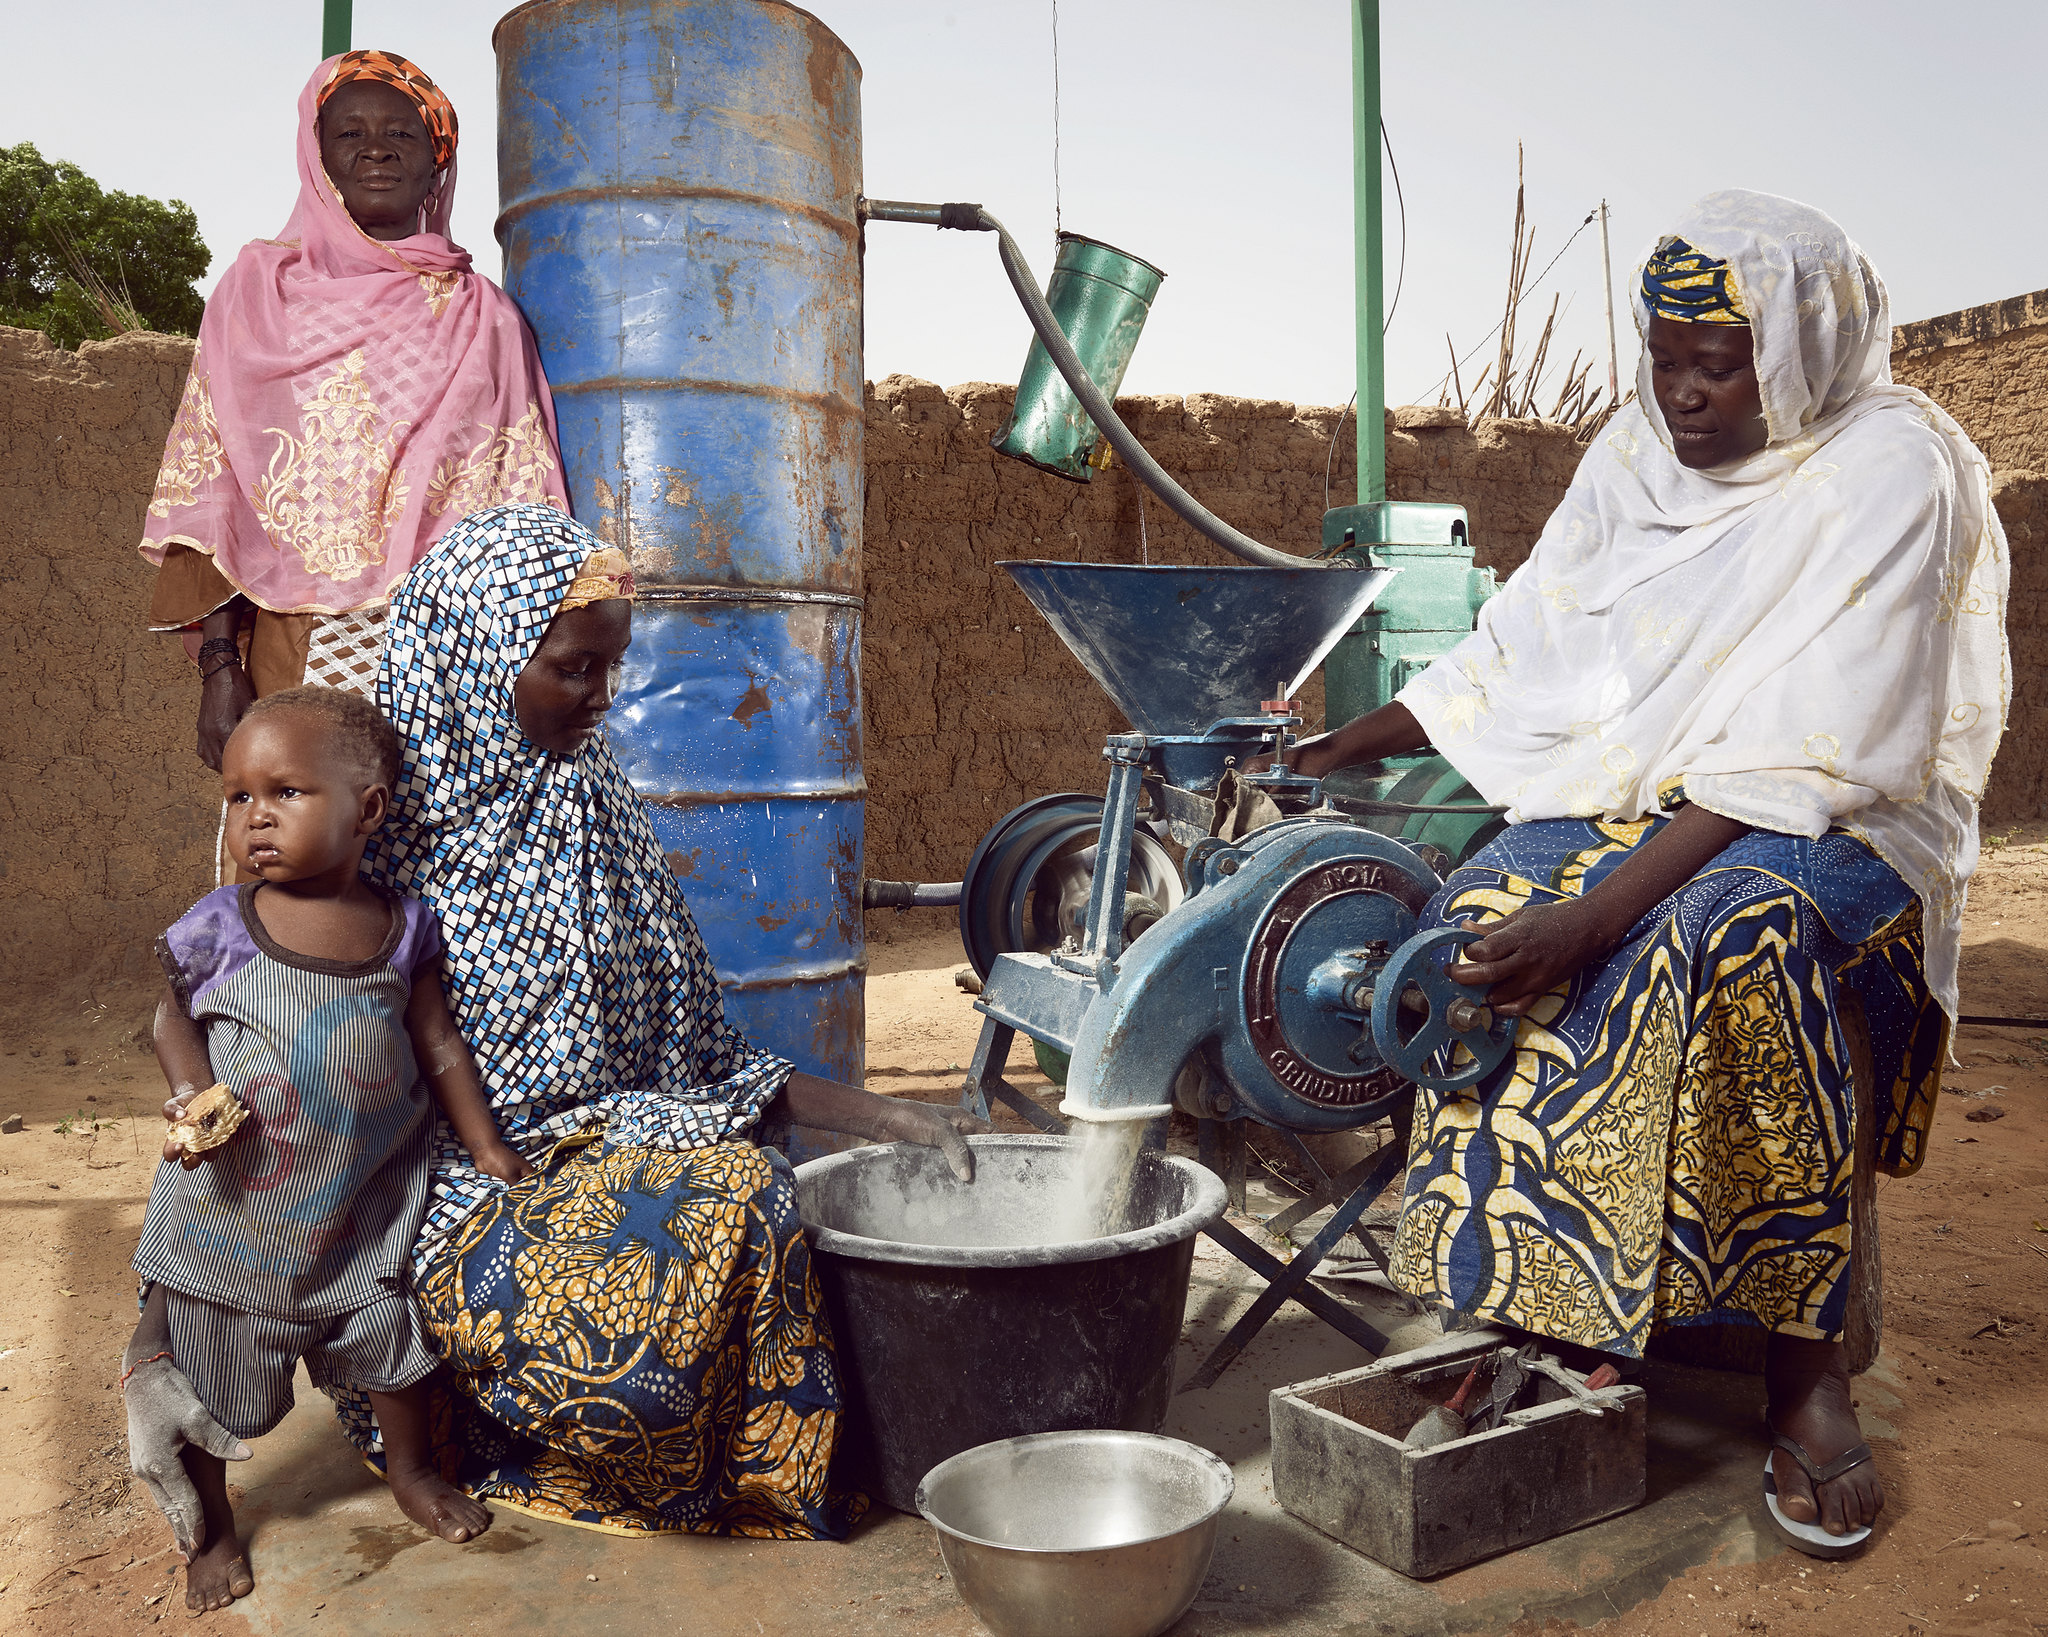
(1056, 222)
(1330, 459)
(1401, 268)
(1394, 306)
(1592, 216)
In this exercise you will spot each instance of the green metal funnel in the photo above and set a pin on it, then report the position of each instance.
(1101, 296)
(1180, 648)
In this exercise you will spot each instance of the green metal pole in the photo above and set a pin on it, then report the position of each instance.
(1365, 229)
(337, 22)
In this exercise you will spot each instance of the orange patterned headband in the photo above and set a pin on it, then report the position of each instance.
(388, 68)
(605, 575)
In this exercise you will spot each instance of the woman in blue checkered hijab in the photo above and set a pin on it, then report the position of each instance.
(590, 1317)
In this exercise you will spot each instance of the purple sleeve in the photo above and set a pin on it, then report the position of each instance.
(420, 944)
(206, 946)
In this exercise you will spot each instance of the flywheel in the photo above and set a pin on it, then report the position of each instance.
(1027, 885)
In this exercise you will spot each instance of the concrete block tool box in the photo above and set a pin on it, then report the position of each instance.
(1339, 1462)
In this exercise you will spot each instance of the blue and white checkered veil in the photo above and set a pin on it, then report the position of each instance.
(573, 966)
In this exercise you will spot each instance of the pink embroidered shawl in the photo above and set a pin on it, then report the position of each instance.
(349, 401)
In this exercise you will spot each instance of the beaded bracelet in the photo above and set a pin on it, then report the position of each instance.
(227, 649)
(139, 1363)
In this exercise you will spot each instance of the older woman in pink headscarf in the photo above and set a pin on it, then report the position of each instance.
(358, 388)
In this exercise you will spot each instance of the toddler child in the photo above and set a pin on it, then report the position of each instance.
(315, 998)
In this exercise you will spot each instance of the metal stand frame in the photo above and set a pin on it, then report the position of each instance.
(985, 1081)
(1221, 1146)
(1289, 1281)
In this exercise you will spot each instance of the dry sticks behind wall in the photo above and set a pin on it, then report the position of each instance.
(1517, 380)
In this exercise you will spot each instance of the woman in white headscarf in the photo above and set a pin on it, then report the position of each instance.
(1740, 704)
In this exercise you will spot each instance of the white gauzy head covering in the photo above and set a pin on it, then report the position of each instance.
(1818, 310)
(1810, 637)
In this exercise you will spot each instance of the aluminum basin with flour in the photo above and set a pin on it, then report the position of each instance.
(957, 1323)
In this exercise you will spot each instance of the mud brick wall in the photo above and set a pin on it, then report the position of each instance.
(1988, 367)
(2019, 776)
(107, 819)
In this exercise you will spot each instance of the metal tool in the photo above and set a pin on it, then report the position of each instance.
(1444, 1422)
(1593, 1400)
(1506, 1381)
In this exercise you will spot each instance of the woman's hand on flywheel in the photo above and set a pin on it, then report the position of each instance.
(1533, 951)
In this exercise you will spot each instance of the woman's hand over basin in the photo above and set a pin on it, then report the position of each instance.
(826, 1105)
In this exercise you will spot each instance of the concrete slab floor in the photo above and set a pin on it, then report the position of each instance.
(329, 1548)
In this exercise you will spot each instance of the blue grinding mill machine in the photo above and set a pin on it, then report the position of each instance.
(678, 181)
(1279, 977)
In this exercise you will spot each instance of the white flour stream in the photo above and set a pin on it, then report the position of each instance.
(1093, 1197)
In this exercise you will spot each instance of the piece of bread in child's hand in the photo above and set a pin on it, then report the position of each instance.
(210, 1119)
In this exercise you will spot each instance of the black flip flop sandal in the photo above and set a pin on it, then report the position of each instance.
(1811, 1538)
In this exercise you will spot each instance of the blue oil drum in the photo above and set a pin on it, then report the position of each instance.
(677, 181)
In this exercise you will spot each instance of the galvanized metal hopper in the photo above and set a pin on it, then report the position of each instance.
(1180, 648)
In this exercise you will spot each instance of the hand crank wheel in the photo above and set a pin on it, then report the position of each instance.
(1454, 1014)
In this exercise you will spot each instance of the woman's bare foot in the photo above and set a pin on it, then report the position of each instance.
(423, 1495)
(1810, 1404)
(435, 1504)
(219, 1572)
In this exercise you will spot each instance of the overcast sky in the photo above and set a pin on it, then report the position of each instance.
(1211, 137)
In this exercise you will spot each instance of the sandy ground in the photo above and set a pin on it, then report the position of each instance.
(1966, 1308)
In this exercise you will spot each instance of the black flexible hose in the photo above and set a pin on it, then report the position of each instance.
(1100, 410)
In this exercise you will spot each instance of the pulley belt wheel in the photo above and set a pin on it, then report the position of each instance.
(991, 900)
(1007, 865)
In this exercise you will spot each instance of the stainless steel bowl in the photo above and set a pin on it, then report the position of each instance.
(1098, 1534)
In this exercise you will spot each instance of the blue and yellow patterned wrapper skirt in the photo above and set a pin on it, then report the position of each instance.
(1672, 1140)
(635, 1341)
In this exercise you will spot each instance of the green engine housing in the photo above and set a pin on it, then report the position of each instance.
(1426, 612)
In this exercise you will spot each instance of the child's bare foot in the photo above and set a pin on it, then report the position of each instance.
(219, 1574)
(435, 1504)
(423, 1495)
(219, 1571)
